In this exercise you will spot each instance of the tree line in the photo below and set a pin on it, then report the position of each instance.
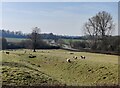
(20, 34)
(98, 30)
(34, 42)
(12, 34)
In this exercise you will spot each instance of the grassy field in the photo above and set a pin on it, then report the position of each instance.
(15, 39)
(67, 41)
(49, 67)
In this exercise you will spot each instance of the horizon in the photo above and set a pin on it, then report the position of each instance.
(61, 18)
(56, 34)
(43, 33)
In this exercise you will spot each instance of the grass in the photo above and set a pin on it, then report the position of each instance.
(67, 41)
(15, 39)
(50, 68)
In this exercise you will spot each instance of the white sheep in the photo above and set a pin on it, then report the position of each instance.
(75, 57)
(68, 60)
(82, 57)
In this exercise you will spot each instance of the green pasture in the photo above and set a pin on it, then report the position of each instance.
(50, 67)
(15, 39)
(67, 41)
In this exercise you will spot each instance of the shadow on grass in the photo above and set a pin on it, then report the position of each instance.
(20, 65)
(44, 79)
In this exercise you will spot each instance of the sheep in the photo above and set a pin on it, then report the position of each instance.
(32, 56)
(82, 57)
(68, 60)
(7, 52)
(75, 57)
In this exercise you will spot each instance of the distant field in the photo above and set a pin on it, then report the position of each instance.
(20, 39)
(15, 39)
(73, 40)
(50, 68)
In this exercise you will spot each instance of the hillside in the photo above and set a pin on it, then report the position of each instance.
(20, 72)
(50, 67)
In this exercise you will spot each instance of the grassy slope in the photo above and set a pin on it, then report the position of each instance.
(96, 69)
(18, 71)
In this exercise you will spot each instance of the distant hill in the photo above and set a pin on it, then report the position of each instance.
(19, 34)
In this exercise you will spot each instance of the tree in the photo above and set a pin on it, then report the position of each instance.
(3, 43)
(35, 37)
(98, 27)
(60, 42)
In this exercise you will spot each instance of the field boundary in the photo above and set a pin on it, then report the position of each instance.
(93, 51)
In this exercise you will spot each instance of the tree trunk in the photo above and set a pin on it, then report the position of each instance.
(34, 50)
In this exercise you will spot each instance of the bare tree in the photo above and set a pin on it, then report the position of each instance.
(35, 37)
(99, 26)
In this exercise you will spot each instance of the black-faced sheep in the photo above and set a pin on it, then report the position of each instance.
(82, 57)
(75, 57)
(68, 60)
(32, 56)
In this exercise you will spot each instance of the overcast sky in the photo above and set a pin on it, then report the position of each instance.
(66, 18)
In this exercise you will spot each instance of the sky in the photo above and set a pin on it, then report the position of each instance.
(59, 0)
(63, 18)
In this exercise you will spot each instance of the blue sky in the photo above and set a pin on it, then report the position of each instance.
(66, 18)
(59, 0)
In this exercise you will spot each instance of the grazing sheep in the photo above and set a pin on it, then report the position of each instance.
(75, 57)
(7, 52)
(32, 56)
(68, 60)
(82, 57)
